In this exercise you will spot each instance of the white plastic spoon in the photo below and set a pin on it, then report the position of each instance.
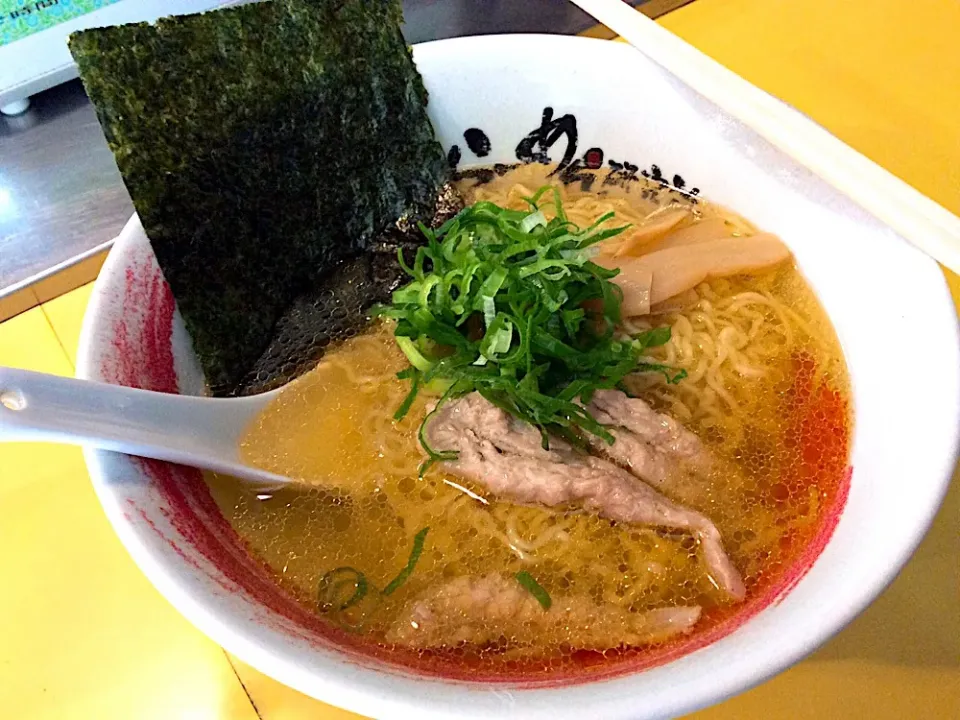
(202, 432)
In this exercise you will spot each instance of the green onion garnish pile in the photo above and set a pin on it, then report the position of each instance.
(508, 304)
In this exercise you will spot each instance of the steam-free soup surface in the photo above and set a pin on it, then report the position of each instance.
(766, 392)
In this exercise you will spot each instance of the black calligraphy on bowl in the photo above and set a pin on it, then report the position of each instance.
(536, 146)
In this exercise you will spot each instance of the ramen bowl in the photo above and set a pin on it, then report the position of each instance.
(602, 105)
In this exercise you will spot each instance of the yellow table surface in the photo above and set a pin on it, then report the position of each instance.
(83, 635)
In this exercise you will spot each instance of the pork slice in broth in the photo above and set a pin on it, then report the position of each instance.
(636, 455)
(662, 432)
(481, 610)
(506, 456)
(651, 445)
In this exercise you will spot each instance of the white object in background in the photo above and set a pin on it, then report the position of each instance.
(41, 60)
(917, 218)
(15, 107)
(198, 431)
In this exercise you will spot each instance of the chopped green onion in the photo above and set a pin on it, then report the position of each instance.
(531, 282)
(415, 553)
(407, 403)
(336, 580)
(434, 456)
(653, 338)
(533, 220)
(339, 578)
(415, 357)
(667, 372)
(489, 311)
(534, 588)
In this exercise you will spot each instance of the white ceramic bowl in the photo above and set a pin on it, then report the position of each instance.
(889, 304)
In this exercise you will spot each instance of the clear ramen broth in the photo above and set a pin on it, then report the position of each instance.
(766, 391)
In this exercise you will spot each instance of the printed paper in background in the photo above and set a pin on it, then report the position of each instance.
(20, 18)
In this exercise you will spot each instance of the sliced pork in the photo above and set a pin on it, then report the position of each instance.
(612, 407)
(480, 610)
(505, 456)
(651, 445)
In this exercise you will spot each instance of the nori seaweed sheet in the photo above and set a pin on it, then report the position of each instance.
(262, 145)
(338, 307)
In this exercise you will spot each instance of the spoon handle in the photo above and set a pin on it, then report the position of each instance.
(198, 431)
